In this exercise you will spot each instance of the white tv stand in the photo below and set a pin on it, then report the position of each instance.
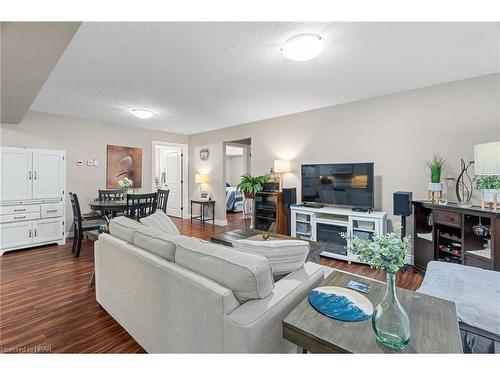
(326, 223)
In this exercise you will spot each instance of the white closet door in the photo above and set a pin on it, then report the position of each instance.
(174, 181)
(15, 234)
(48, 174)
(48, 230)
(16, 174)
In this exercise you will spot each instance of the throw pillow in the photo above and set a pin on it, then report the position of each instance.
(161, 221)
(285, 256)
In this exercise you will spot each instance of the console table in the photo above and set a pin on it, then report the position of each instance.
(446, 233)
(326, 224)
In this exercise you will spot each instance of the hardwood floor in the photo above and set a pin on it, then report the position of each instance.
(46, 304)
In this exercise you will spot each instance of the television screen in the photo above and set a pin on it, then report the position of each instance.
(340, 184)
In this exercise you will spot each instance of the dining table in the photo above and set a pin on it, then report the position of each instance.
(112, 206)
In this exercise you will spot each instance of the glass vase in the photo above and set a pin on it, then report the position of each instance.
(390, 321)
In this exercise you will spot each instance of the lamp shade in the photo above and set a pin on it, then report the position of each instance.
(487, 159)
(282, 166)
(201, 178)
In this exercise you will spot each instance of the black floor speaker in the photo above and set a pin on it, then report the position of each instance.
(289, 196)
(402, 203)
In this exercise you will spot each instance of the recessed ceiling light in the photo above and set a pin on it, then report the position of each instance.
(142, 113)
(303, 47)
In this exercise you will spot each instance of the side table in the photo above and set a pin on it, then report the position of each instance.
(204, 208)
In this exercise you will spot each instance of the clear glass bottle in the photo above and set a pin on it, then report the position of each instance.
(390, 321)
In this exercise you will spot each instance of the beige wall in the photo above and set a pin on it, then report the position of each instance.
(82, 140)
(398, 132)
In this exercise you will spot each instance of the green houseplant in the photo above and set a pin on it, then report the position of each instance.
(386, 252)
(435, 187)
(249, 185)
(489, 186)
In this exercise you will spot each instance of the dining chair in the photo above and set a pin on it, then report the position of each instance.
(162, 200)
(80, 225)
(141, 205)
(110, 195)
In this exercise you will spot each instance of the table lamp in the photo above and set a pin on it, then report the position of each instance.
(281, 167)
(201, 179)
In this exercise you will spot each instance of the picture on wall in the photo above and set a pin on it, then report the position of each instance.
(123, 162)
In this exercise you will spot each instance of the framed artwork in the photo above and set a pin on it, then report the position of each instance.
(123, 162)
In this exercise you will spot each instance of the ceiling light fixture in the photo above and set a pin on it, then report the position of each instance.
(142, 113)
(303, 47)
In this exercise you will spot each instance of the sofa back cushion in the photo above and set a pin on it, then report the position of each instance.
(249, 276)
(156, 241)
(124, 228)
(160, 220)
(285, 256)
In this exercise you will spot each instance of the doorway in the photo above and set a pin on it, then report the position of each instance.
(237, 162)
(170, 168)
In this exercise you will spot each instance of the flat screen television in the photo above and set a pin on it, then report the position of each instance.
(338, 184)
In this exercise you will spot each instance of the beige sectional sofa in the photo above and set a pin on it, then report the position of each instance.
(176, 294)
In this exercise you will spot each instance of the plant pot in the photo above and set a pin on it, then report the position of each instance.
(249, 195)
(488, 195)
(389, 320)
(435, 186)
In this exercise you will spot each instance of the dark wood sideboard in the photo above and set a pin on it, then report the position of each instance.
(445, 232)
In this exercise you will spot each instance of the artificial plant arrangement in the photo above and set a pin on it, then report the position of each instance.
(436, 166)
(126, 184)
(250, 185)
(490, 187)
(386, 252)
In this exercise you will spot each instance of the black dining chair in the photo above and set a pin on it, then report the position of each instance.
(140, 205)
(110, 195)
(162, 200)
(80, 225)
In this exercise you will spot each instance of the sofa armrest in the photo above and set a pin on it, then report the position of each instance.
(256, 326)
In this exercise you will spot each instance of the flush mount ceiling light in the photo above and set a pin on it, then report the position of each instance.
(303, 47)
(142, 113)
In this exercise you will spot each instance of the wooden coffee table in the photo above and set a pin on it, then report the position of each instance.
(227, 239)
(433, 324)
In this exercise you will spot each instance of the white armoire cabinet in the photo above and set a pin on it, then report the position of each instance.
(31, 198)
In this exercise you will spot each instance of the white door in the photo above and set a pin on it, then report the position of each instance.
(16, 174)
(48, 230)
(48, 174)
(15, 234)
(169, 176)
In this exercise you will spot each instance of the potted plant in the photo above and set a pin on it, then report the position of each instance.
(489, 186)
(386, 252)
(249, 185)
(126, 184)
(436, 166)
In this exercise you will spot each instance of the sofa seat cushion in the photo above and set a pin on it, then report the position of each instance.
(249, 276)
(157, 241)
(161, 221)
(285, 256)
(124, 228)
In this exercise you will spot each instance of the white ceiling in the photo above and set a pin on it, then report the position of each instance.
(202, 76)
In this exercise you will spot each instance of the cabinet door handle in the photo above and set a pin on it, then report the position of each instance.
(34, 235)
(19, 217)
(29, 175)
(20, 210)
(49, 211)
(35, 175)
(29, 233)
